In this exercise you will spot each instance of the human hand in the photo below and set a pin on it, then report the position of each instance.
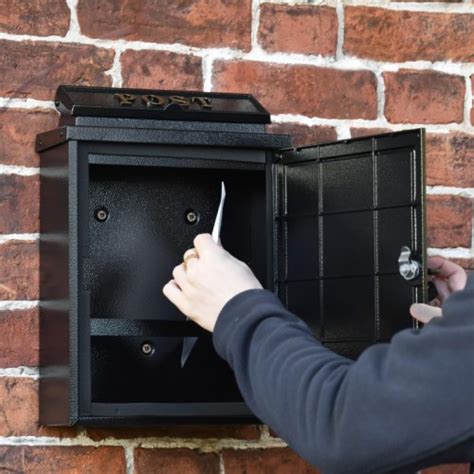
(201, 287)
(451, 278)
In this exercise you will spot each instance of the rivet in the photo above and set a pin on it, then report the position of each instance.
(101, 215)
(191, 216)
(147, 348)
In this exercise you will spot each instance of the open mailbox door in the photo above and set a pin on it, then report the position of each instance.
(343, 212)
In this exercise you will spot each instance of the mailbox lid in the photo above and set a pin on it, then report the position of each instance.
(77, 101)
(343, 212)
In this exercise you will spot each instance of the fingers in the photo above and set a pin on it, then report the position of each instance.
(424, 313)
(442, 288)
(205, 245)
(190, 252)
(455, 274)
(190, 258)
(173, 292)
(179, 275)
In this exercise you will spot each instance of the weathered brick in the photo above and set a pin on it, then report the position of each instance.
(428, 1)
(449, 221)
(308, 29)
(19, 204)
(199, 23)
(175, 461)
(302, 135)
(16, 327)
(450, 159)
(245, 432)
(161, 70)
(35, 17)
(365, 132)
(298, 89)
(396, 36)
(19, 411)
(423, 97)
(64, 459)
(448, 469)
(19, 261)
(18, 129)
(35, 69)
(472, 105)
(273, 460)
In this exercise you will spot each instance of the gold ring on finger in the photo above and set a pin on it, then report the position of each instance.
(189, 256)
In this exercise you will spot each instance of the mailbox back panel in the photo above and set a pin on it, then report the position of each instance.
(141, 220)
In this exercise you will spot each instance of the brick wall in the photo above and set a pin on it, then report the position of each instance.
(326, 70)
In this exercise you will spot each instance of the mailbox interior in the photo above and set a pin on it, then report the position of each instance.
(131, 255)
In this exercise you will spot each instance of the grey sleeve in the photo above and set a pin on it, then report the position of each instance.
(399, 404)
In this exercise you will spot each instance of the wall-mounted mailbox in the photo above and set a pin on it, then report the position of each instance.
(131, 176)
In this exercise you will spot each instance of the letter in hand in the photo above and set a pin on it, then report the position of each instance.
(448, 279)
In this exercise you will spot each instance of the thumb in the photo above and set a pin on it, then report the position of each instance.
(424, 312)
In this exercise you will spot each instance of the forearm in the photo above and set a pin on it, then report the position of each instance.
(341, 415)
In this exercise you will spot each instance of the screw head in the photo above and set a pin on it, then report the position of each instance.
(191, 216)
(101, 215)
(148, 348)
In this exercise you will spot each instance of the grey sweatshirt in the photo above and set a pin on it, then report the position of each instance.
(397, 408)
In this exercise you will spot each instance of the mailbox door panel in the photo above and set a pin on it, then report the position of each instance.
(343, 211)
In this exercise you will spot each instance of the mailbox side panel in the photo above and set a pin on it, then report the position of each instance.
(54, 286)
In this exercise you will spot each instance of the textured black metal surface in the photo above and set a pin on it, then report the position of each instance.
(103, 102)
(133, 252)
(166, 137)
(131, 257)
(55, 358)
(344, 212)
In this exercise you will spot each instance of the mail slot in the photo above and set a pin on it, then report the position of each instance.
(127, 181)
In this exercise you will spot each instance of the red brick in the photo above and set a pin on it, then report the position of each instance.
(450, 159)
(397, 36)
(19, 261)
(423, 97)
(472, 106)
(308, 29)
(302, 135)
(175, 461)
(161, 70)
(448, 469)
(428, 1)
(35, 17)
(16, 327)
(449, 221)
(297, 89)
(365, 132)
(257, 461)
(193, 22)
(64, 459)
(18, 129)
(35, 69)
(245, 432)
(19, 204)
(19, 411)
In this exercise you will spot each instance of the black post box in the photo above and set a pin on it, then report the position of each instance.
(127, 181)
